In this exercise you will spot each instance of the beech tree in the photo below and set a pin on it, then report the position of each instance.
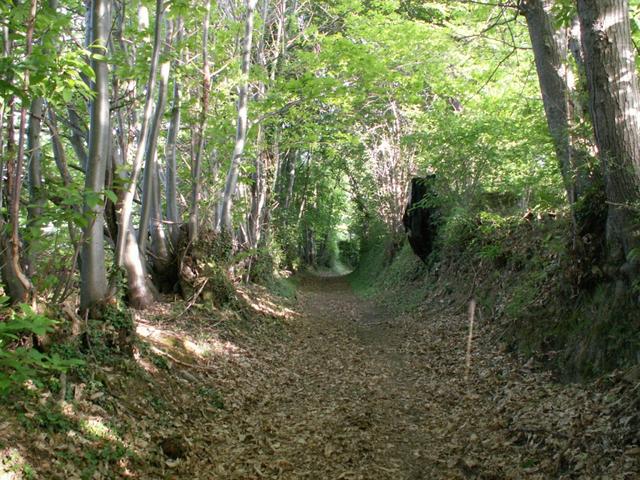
(93, 268)
(224, 217)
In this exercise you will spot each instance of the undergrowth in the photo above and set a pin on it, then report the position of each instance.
(527, 280)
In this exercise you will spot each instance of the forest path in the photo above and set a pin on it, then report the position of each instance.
(366, 394)
(356, 392)
(393, 389)
(341, 388)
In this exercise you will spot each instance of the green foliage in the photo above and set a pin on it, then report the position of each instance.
(110, 337)
(12, 462)
(18, 363)
(458, 229)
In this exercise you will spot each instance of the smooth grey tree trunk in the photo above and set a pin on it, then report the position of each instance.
(614, 104)
(259, 187)
(78, 137)
(93, 274)
(151, 162)
(161, 258)
(171, 175)
(196, 169)
(140, 292)
(225, 218)
(126, 206)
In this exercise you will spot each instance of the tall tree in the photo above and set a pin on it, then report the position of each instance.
(171, 174)
(129, 255)
(18, 284)
(93, 270)
(225, 217)
(196, 168)
(126, 206)
(550, 48)
(614, 104)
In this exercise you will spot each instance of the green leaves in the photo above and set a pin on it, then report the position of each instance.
(28, 321)
(18, 364)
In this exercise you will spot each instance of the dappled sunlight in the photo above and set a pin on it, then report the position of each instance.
(212, 347)
(331, 240)
(144, 363)
(61, 435)
(13, 465)
(612, 20)
(95, 427)
(166, 341)
(263, 305)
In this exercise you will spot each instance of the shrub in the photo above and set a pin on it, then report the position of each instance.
(20, 363)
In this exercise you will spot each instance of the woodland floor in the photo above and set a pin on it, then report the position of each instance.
(333, 387)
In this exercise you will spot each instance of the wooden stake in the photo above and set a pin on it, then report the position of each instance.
(472, 311)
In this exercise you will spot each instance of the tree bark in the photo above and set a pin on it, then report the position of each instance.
(126, 205)
(196, 170)
(550, 49)
(151, 162)
(78, 137)
(614, 105)
(19, 286)
(36, 198)
(60, 159)
(225, 219)
(94, 287)
(259, 186)
(171, 176)
(140, 292)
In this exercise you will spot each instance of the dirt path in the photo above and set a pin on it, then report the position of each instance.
(359, 393)
(342, 390)
(417, 416)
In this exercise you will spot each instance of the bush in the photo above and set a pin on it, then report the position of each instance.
(19, 363)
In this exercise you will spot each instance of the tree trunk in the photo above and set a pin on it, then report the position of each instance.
(196, 170)
(550, 49)
(151, 162)
(126, 205)
(140, 292)
(19, 286)
(225, 219)
(60, 159)
(614, 104)
(94, 288)
(37, 199)
(259, 187)
(128, 255)
(78, 137)
(171, 183)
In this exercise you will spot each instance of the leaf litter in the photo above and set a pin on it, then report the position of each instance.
(335, 387)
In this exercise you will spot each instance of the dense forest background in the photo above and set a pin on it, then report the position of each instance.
(169, 151)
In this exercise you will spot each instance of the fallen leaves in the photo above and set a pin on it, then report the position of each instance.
(345, 391)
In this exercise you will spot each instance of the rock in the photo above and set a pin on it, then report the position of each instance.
(419, 220)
